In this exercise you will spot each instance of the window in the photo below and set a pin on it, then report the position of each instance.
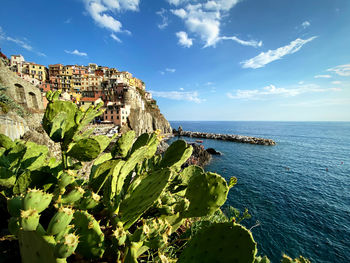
(111, 111)
(106, 117)
(111, 117)
(117, 117)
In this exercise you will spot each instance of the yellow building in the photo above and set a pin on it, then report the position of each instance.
(35, 71)
(66, 77)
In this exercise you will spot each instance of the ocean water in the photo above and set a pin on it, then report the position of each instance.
(297, 191)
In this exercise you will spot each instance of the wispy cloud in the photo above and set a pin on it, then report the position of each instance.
(68, 21)
(114, 37)
(336, 82)
(204, 20)
(178, 95)
(76, 52)
(319, 103)
(271, 90)
(164, 17)
(341, 70)
(23, 43)
(184, 40)
(167, 70)
(171, 70)
(322, 76)
(267, 57)
(306, 24)
(103, 12)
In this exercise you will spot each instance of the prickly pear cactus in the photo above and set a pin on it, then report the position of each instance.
(91, 238)
(60, 220)
(177, 153)
(123, 144)
(66, 246)
(34, 248)
(85, 150)
(143, 196)
(36, 199)
(206, 192)
(220, 242)
(6, 142)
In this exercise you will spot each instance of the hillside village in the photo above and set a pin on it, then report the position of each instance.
(87, 85)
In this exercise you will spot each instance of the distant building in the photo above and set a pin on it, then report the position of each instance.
(16, 63)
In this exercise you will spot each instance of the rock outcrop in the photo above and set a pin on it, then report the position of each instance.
(145, 115)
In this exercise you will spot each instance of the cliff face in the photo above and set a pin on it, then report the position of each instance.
(145, 115)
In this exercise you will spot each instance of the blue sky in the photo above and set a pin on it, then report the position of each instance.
(282, 60)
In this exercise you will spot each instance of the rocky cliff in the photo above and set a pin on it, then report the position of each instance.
(145, 115)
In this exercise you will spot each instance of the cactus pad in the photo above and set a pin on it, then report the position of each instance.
(29, 219)
(177, 153)
(66, 246)
(60, 220)
(143, 196)
(123, 144)
(85, 150)
(220, 242)
(14, 205)
(36, 199)
(206, 193)
(91, 238)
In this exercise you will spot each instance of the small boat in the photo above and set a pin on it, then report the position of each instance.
(199, 141)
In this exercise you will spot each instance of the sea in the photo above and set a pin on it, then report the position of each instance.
(297, 192)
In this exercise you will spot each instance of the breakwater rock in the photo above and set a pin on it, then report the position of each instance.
(225, 137)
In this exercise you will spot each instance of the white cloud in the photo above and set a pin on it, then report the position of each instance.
(267, 57)
(178, 95)
(336, 82)
(102, 12)
(341, 70)
(76, 52)
(184, 40)
(68, 21)
(203, 20)
(114, 37)
(177, 2)
(271, 90)
(165, 19)
(181, 89)
(305, 24)
(251, 43)
(322, 76)
(23, 43)
(171, 70)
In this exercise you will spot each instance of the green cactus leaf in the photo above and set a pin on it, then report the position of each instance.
(66, 246)
(29, 219)
(103, 140)
(132, 252)
(73, 196)
(16, 154)
(36, 199)
(6, 142)
(34, 248)
(60, 221)
(22, 184)
(142, 140)
(103, 171)
(52, 125)
(114, 183)
(206, 193)
(14, 225)
(34, 157)
(123, 144)
(143, 196)
(85, 150)
(91, 238)
(176, 155)
(7, 178)
(220, 242)
(99, 160)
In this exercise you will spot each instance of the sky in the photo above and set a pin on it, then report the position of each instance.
(247, 60)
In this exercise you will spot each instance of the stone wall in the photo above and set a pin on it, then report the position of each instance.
(23, 92)
(13, 126)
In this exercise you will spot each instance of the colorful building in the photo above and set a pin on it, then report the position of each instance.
(35, 71)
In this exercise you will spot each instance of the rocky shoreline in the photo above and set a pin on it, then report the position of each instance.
(225, 137)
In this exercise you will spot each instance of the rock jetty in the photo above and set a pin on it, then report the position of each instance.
(224, 137)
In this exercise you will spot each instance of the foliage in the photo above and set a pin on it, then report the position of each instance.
(136, 206)
(7, 103)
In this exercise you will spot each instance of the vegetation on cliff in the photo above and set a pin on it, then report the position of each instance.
(135, 206)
